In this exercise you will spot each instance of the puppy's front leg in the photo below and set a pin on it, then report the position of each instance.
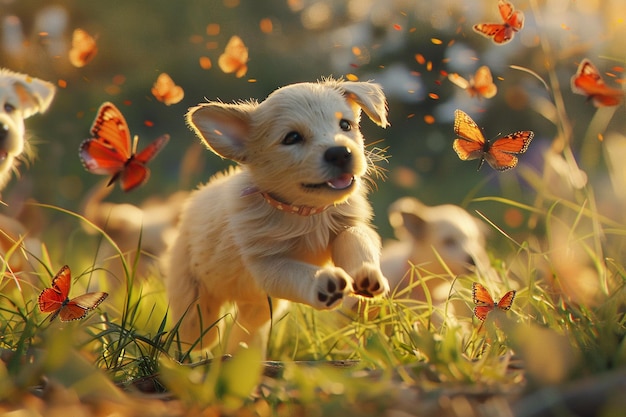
(322, 288)
(357, 251)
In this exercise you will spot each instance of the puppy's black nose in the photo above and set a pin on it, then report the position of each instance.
(338, 156)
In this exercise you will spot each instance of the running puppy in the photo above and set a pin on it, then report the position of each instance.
(292, 222)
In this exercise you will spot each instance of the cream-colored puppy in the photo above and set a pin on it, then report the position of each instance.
(292, 222)
(21, 96)
(426, 237)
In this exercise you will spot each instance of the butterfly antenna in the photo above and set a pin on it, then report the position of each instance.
(135, 140)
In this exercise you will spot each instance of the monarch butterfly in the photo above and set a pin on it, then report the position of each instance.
(235, 57)
(109, 151)
(588, 82)
(84, 48)
(56, 300)
(500, 33)
(500, 154)
(166, 91)
(485, 303)
(481, 84)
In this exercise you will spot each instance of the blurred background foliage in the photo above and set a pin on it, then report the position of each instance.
(408, 46)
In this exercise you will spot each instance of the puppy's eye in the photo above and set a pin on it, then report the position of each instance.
(9, 108)
(292, 138)
(345, 125)
(450, 242)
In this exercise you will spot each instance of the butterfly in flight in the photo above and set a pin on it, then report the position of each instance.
(588, 82)
(500, 154)
(166, 91)
(56, 299)
(84, 48)
(481, 85)
(485, 304)
(108, 151)
(235, 57)
(500, 33)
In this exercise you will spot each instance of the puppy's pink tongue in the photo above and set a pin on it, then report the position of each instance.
(3, 155)
(341, 182)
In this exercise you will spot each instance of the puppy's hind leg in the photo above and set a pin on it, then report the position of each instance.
(197, 311)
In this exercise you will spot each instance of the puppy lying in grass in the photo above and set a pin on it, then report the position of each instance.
(292, 222)
(428, 236)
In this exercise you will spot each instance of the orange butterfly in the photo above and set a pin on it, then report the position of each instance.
(500, 154)
(84, 48)
(588, 82)
(109, 151)
(166, 91)
(481, 84)
(235, 57)
(500, 33)
(481, 296)
(55, 300)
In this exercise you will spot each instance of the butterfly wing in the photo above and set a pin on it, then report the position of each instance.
(77, 308)
(458, 80)
(84, 48)
(471, 142)
(135, 172)
(506, 301)
(506, 9)
(235, 57)
(99, 157)
(110, 128)
(483, 84)
(497, 32)
(152, 149)
(480, 295)
(482, 311)
(501, 153)
(166, 91)
(510, 16)
(52, 300)
(588, 82)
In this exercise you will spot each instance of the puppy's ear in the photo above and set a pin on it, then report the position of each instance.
(224, 128)
(35, 95)
(370, 98)
(407, 216)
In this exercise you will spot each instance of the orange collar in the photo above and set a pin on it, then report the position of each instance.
(291, 208)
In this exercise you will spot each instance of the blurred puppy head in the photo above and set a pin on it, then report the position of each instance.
(21, 96)
(426, 234)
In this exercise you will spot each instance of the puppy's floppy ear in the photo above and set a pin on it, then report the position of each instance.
(224, 128)
(407, 216)
(35, 95)
(369, 97)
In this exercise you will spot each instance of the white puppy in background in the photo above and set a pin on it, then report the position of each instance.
(292, 222)
(426, 237)
(21, 96)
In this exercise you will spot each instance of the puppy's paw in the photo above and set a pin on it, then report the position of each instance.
(369, 281)
(332, 284)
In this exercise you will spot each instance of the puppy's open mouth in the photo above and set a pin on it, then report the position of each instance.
(3, 155)
(342, 182)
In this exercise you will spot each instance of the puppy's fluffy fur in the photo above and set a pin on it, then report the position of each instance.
(21, 96)
(426, 234)
(246, 235)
